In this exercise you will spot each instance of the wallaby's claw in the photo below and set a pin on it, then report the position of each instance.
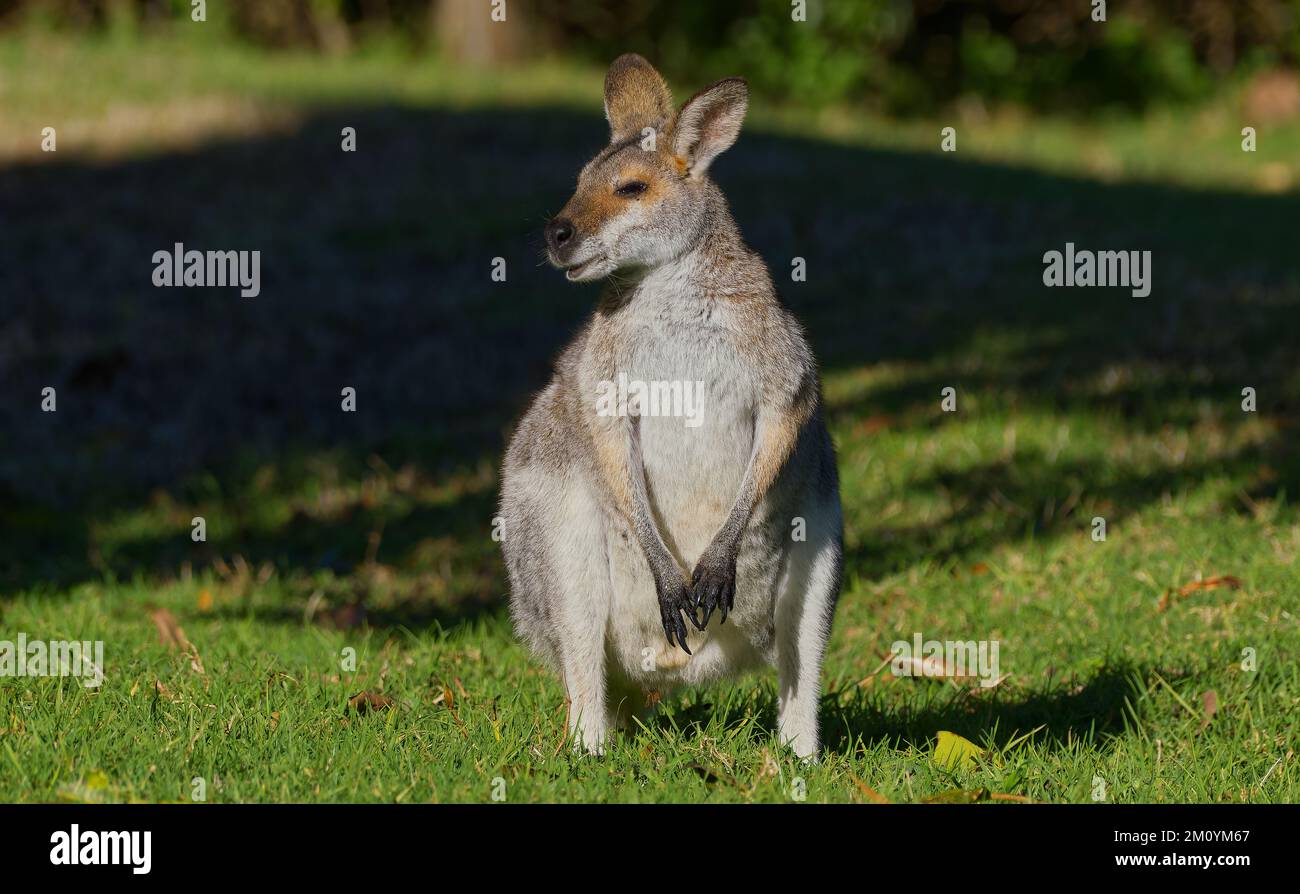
(714, 586)
(675, 601)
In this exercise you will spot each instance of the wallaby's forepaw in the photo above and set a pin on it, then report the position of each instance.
(674, 601)
(714, 584)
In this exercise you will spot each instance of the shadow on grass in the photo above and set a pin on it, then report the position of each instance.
(1062, 714)
(1034, 496)
(376, 275)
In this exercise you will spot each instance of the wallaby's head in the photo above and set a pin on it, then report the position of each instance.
(645, 198)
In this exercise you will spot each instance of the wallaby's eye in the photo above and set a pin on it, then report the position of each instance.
(631, 190)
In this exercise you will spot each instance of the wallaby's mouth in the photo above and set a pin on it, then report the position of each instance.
(575, 271)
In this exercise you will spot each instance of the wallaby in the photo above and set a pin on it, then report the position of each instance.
(675, 480)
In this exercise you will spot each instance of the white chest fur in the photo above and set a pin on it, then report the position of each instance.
(697, 428)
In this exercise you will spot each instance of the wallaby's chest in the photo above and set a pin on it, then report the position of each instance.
(697, 399)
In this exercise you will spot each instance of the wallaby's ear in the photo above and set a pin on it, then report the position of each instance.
(709, 123)
(636, 97)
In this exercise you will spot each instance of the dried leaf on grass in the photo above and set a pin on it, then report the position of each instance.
(369, 701)
(173, 637)
(974, 796)
(957, 796)
(1187, 589)
(1210, 707)
(873, 796)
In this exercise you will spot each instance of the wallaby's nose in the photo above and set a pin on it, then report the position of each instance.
(558, 232)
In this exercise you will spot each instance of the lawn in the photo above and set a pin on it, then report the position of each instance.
(352, 552)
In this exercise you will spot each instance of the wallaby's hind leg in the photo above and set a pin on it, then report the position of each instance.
(805, 602)
(584, 685)
(580, 560)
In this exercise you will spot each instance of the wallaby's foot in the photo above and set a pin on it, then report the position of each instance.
(802, 741)
(588, 729)
(593, 747)
(796, 724)
(714, 583)
(675, 600)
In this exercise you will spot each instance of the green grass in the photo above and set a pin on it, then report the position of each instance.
(968, 525)
(1102, 685)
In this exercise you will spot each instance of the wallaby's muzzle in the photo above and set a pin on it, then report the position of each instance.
(559, 239)
(574, 254)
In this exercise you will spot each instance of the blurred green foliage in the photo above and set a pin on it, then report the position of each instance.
(896, 55)
(915, 56)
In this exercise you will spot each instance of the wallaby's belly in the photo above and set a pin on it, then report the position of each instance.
(694, 463)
